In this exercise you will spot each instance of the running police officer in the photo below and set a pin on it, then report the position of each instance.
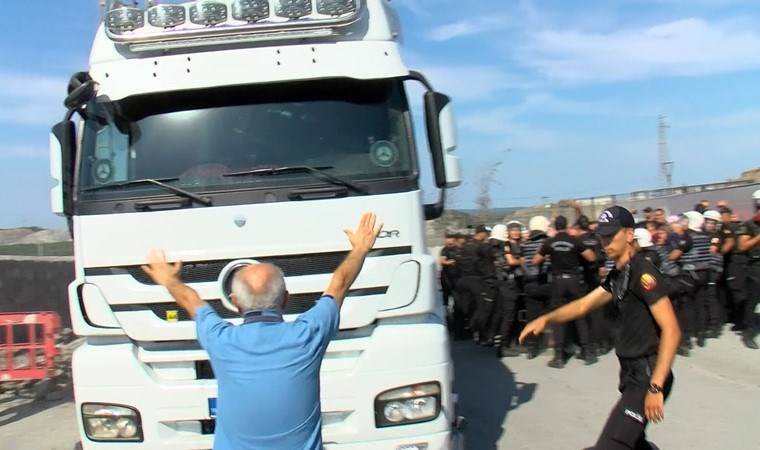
(566, 252)
(647, 338)
(535, 281)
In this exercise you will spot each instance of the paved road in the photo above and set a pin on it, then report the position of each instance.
(514, 403)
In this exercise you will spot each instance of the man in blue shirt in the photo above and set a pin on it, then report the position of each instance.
(267, 369)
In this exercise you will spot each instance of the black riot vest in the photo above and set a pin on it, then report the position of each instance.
(534, 273)
(698, 256)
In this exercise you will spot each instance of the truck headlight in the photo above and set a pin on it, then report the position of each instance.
(409, 404)
(103, 422)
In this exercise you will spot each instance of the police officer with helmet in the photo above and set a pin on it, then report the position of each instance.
(715, 316)
(693, 255)
(535, 280)
(510, 270)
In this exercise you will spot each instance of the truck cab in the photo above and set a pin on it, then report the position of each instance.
(232, 132)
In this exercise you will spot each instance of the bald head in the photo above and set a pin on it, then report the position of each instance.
(259, 286)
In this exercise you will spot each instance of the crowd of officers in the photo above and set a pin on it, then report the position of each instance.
(498, 278)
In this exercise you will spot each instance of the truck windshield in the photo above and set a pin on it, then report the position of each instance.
(357, 131)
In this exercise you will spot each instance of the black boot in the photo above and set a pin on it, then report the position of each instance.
(532, 352)
(749, 340)
(589, 355)
(701, 339)
(506, 352)
(558, 362)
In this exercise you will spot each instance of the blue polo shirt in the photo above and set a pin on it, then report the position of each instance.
(268, 376)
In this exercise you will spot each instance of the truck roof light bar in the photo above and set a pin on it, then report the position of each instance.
(145, 21)
(234, 39)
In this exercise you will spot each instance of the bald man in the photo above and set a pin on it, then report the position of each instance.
(267, 369)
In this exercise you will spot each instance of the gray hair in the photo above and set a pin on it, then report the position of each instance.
(269, 296)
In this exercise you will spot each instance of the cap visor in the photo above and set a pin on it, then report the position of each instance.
(607, 230)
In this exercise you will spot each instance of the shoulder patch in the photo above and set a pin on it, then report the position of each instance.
(648, 281)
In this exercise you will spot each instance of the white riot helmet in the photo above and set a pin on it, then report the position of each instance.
(499, 232)
(539, 223)
(712, 214)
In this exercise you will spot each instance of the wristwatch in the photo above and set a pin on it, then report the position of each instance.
(654, 389)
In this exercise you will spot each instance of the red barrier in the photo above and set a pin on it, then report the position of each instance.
(27, 345)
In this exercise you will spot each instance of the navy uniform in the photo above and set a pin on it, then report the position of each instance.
(464, 299)
(715, 317)
(635, 288)
(567, 285)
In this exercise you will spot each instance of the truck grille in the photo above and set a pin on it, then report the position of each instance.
(297, 304)
(291, 265)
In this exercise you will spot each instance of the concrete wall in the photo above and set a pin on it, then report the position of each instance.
(36, 284)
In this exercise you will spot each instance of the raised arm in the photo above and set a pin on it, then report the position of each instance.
(167, 275)
(362, 240)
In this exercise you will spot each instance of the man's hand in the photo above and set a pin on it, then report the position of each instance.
(363, 239)
(653, 404)
(535, 328)
(167, 275)
(159, 270)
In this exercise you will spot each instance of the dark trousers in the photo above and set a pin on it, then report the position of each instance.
(536, 302)
(477, 297)
(626, 425)
(700, 300)
(447, 287)
(736, 284)
(464, 304)
(753, 294)
(504, 311)
(712, 306)
(682, 294)
(566, 288)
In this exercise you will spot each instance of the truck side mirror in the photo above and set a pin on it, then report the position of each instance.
(62, 150)
(81, 89)
(441, 130)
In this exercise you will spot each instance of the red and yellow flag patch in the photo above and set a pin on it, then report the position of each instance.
(648, 281)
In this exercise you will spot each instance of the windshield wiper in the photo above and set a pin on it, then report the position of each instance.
(202, 200)
(318, 172)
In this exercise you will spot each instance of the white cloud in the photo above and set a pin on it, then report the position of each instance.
(467, 27)
(689, 47)
(27, 99)
(468, 83)
(23, 152)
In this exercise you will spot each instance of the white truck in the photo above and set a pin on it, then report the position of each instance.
(230, 132)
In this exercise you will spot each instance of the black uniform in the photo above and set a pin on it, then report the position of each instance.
(448, 273)
(753, 280)
(535, 284)
(467, 279)
(508, 293)
(635, 288)
(695, 266)
(735, 272)
(599, 325)
(567, 284)
(478, 284)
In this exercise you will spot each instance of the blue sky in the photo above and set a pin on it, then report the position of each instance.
(563, 96)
